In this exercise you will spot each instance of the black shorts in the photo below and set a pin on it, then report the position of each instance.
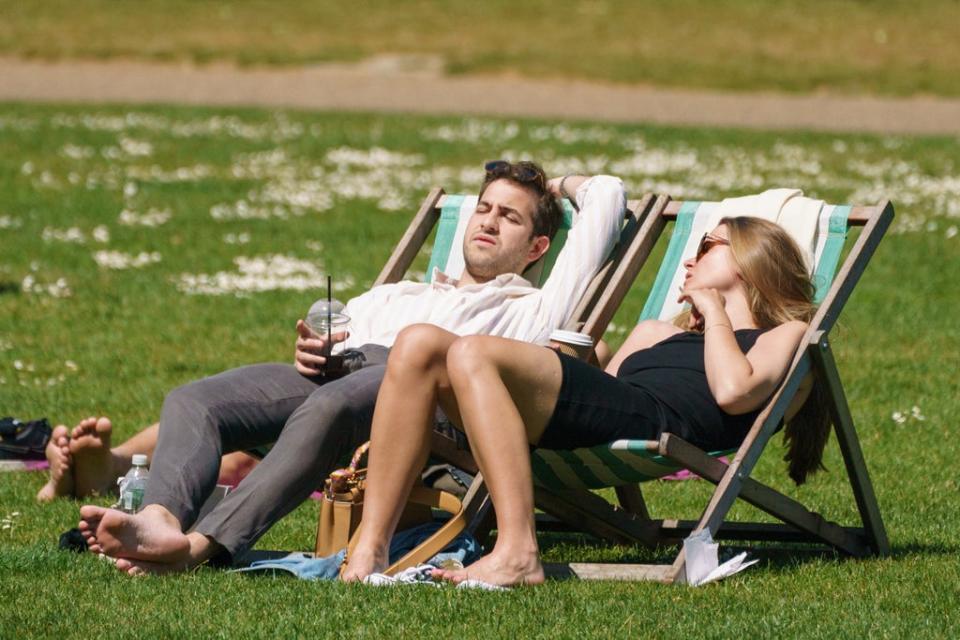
(595, 408)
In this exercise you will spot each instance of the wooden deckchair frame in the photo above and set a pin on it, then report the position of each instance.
(631, 522)
(592, 314)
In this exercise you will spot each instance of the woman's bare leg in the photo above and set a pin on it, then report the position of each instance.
(144, 441)
(506, 393)
(399, 439)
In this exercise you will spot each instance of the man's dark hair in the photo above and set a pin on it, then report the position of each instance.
(548, 214)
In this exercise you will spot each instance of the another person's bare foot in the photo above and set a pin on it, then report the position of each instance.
(94, 465)
(500, 569)
(61, 474)
(363, 562)
(152, 535)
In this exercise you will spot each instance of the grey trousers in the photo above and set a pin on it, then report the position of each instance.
(312, 421)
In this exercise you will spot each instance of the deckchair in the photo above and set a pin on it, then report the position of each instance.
(449, 214)
(563, 479)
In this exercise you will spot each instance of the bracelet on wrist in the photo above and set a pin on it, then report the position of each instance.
(718, 324)
(564, 194)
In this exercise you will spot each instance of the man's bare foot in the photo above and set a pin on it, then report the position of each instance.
(500, 569)
(61, 461)
(201, 550)
(94, 465)
(153, 534)
(363, 562)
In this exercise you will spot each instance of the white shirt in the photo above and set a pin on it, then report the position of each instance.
(507, 306)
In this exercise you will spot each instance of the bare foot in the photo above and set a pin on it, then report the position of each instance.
(61, 472)
(94, 467)
(153, 534)
(202, 549)
(143, 567)
(499, 568)
(363, 562)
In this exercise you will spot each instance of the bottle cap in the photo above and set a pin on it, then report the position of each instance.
(139, 460)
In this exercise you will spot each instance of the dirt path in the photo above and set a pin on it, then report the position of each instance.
(381, 87)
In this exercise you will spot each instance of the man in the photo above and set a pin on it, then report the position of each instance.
(313, 420)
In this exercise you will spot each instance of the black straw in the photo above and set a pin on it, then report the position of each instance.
(329, 315)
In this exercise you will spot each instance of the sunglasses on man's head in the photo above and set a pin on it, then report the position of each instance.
(523, 172)
(708, 242)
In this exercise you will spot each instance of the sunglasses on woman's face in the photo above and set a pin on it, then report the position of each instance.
(521, 172)
(708, 242)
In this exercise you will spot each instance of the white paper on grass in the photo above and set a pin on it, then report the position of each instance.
(702, 563)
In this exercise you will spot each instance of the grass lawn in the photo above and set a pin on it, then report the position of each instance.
(890, 46)
(145, 248)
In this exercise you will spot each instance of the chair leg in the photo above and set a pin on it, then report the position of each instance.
(591, 513)
(826, 369)
(631, 499)
(773, 502)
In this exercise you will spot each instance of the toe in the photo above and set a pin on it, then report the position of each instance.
(91, 512)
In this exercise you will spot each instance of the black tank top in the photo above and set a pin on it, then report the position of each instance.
(673, 372)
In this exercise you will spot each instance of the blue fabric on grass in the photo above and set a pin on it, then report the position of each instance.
(464, 549)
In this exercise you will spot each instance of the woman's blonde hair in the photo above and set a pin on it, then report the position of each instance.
(779, 289)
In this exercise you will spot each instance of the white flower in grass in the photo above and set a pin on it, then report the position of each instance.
(73, 235)
(70, 364)
(120, 260)
(75, 152)
(951, 232)
(129, 189)
(9, 222)
(152, 218)
(257, 274)
(901, 417)
(58, 289)
(615, 328)
(236, 238)
(27, 168)
(101, 234)
(137, 148)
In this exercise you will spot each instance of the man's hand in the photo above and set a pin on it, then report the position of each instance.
(310, 349)
(704, 304)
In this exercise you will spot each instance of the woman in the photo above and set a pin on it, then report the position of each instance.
(750, 300)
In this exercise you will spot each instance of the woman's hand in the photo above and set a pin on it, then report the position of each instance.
(704, 304)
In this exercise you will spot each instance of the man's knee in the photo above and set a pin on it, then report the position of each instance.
(421, 347)
(188, 405)
(467, 355)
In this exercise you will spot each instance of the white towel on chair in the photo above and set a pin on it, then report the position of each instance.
(789, 208)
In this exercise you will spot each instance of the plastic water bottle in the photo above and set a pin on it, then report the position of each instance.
(134, 484)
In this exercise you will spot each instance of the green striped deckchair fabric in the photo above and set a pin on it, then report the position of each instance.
(608, 465)
(631, 461)
(447, 252)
